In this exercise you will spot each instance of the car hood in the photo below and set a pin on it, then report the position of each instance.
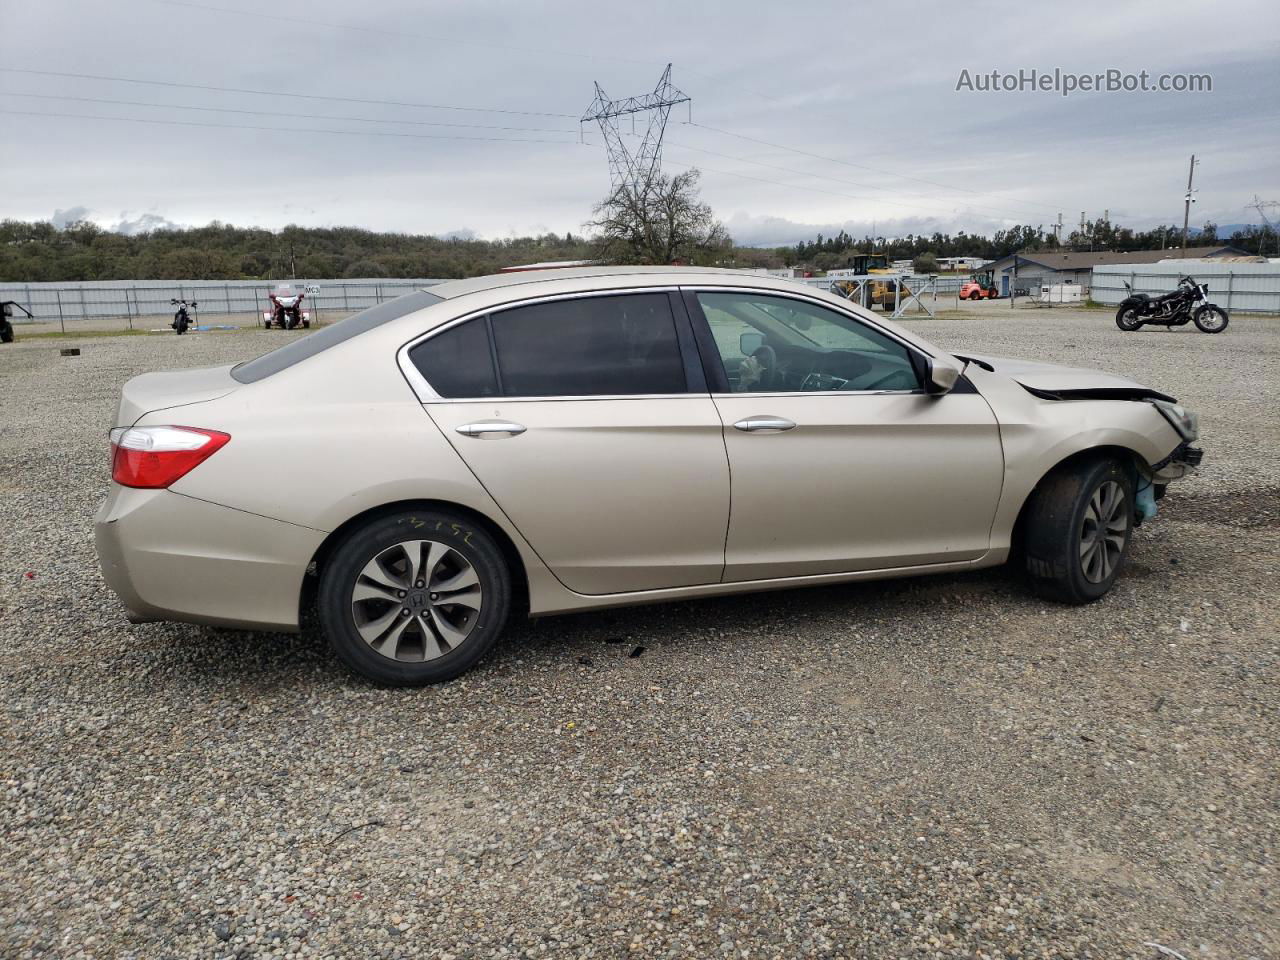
(1054, 378)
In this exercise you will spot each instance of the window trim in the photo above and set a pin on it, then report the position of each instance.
(713, 362)
(690, 362)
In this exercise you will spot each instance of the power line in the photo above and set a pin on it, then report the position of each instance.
(277, 113)
(257, 15)
(279, 93)
(860, 166)
(244, 126)
(347, 27)
(935, 202)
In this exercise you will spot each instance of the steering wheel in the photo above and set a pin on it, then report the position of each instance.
(766, 359)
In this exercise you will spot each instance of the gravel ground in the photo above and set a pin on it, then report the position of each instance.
(940, 767)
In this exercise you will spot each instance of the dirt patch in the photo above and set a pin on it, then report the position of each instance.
(1247, 509)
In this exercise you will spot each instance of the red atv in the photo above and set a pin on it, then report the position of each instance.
(286, 308)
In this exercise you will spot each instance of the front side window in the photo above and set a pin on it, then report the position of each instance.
(589, 346)
(772, 344)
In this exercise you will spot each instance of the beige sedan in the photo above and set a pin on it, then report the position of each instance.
(536, 443)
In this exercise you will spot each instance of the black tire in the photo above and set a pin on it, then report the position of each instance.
(1211, 324)
(1127, 319)
(343, 569)
(6, 331)
(1057, 525)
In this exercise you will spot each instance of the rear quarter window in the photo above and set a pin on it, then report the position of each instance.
(296, 351)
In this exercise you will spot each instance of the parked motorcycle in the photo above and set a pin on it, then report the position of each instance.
(286, 308)
(182, 319)
(6, 311)
(1190, 302)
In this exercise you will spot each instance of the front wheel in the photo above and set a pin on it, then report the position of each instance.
(1127, 319)
(414, 598)
(1078, 525)
(1211, 319)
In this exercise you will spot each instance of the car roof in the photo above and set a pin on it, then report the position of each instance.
(459, 288)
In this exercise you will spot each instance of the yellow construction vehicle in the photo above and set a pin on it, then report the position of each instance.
(883, 293)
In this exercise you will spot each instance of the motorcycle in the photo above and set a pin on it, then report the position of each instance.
(182, 319)
(286, 308)
(1190, 302)
(6, 311)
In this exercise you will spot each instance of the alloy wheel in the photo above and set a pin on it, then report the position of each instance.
(1102, 534)
(416, 601)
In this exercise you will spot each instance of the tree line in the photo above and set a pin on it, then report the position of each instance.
(668, 224)
(828, 253)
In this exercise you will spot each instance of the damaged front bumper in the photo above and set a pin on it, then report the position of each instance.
(1184, 459)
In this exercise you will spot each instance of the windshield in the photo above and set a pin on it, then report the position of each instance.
(298, 350)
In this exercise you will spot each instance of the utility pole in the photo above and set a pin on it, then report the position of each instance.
(635, 170)
(1262, 206)
(1188, 200)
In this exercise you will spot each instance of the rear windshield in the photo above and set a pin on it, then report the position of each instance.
(295, 351)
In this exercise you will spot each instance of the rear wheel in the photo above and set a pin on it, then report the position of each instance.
(1078, 525)
(1127, 319)
(414, 598)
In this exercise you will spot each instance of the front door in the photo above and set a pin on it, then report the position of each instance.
(580, 422)
(839, 461)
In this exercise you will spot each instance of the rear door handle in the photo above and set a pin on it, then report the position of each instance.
(764, 424)
(488, 428)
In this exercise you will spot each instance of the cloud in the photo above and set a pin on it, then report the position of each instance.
(785, 123)
(750, 230)
(64, 218)
(143, 223)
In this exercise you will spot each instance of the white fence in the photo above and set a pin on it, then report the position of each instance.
(129, 299)
(1245, 287)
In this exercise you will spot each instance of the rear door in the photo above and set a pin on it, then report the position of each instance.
(840, 462)
(588, 420)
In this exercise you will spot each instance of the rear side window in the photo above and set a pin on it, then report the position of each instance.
(589, 346)
(298, 350)
(458, 362)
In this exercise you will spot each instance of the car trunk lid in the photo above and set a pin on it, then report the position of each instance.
(172, 388)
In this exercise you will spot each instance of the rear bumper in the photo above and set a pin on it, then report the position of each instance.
(171, 557)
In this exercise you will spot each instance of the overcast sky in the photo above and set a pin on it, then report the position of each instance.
(864, 96)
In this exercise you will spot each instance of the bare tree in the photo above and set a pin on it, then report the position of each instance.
(658, 223)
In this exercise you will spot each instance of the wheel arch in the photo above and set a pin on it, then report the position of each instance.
(1133, 461)
(510, 553)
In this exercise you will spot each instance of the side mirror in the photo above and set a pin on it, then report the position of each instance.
(939, 377)
(750, 342)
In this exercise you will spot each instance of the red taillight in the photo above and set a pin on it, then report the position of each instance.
(157, 457)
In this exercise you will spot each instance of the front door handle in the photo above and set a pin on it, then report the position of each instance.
(764, 424)
(491, 428)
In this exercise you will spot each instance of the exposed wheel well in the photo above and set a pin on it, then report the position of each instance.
(519, 576)
(1131, 460)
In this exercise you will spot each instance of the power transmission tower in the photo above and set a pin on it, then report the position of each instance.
(635, 170)
(1188, 200)
(1262, 206)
